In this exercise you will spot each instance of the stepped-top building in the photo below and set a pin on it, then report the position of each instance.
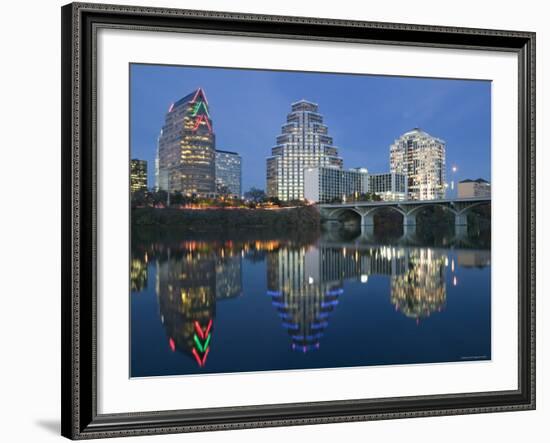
(421, 158)
(304, 143)
(186, 155)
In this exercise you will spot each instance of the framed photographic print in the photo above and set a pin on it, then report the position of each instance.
(274, 221)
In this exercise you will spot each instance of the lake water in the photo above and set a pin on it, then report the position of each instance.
(213, 303)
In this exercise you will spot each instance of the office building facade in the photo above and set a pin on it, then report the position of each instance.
(138, 175)
(304, 143)
(186, 148)
(325, 184)
(389, 186)
(228, 173)
(474, 188)
(421, 158)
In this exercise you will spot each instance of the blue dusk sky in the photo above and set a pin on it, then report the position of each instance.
(364, 114)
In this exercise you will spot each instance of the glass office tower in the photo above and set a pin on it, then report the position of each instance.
(228, 173)
(186, 148)
(304, 143)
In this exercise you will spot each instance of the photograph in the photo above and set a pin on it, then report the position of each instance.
(297, 220)
(289, 218)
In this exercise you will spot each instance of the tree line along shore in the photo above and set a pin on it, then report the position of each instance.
(305, 217)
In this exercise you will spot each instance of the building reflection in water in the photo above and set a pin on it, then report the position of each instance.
(138, 271)
(186, 290)
(420, 290)
(473, 258)
(302, 298)
(191, 277)
(305, 284)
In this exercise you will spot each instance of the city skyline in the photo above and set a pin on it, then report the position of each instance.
(252, 131)
(377, 153)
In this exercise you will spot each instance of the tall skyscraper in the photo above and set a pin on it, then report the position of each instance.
(228, 173)
(304, 143)
(138, 175)
(421, 158)
(186, 148)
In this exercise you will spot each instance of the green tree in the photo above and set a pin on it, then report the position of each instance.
(255, 195)
(275, 201)
(158, 197)
(177, 198)
(296, 202)
(139, 198)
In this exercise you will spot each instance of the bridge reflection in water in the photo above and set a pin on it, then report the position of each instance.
(306, 283)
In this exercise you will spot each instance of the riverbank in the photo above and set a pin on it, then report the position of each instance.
(306, 217)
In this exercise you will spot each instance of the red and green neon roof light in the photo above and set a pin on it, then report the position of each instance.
(201, 342)
(200, 109)
(202, 118)
(201, 339)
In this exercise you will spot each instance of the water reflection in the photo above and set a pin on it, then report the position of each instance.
(303, 299)
(191, 278)
(420, 290)
(138, 271)
(306, 282)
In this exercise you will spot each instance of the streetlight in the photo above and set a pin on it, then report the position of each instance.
(453, 170)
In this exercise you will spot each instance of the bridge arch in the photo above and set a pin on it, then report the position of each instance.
(467, 208)
(372, 211)
(338, 212)
(415, 209)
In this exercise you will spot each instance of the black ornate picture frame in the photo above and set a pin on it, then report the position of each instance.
(80, 418)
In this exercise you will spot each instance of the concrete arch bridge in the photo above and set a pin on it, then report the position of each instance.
(459, 207)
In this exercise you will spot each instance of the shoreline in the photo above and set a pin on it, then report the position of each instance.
(208, 219)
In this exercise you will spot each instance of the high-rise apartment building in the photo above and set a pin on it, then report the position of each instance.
(186, 148)
(324, 184)
(138, 175)
(304, 143)
(421, 158)
(228, 173)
